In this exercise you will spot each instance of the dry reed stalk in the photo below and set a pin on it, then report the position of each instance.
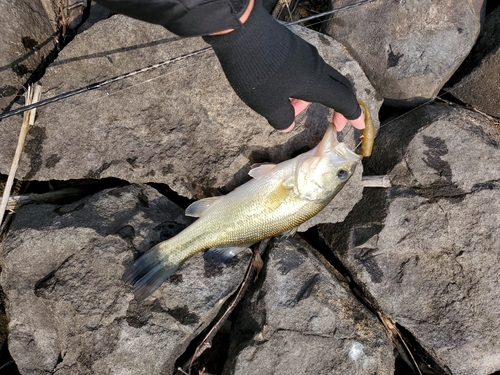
(32, 96)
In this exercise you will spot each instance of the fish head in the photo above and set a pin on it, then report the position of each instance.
(343, 163)
(322, 176)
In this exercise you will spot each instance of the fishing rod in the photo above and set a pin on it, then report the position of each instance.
(100, 84)
(97, 85)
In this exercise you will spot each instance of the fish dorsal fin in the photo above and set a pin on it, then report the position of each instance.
(260, 170)
(217, 255)
(197, 208)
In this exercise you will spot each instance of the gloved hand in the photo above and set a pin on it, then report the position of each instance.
(267, 65)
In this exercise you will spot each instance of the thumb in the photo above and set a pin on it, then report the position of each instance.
(299, 105)
(279, 112)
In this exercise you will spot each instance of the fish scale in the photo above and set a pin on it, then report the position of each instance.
(279, 198)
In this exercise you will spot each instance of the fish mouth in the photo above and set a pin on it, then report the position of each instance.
(345, 153)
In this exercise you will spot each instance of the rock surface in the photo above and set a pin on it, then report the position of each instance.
(426, 250)
(181, 125)
(27, 38)
(480, 87)
(70, 313)
(299, 319)
(408, 49)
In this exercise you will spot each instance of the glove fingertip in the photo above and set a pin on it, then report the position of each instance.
(282, 119)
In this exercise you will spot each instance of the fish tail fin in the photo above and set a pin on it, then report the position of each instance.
(148, 273)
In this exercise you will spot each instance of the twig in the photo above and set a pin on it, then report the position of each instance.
(276, 13)
(32, 96)
(252, 272)
(382, 181)
(394, 332)
(17, 201)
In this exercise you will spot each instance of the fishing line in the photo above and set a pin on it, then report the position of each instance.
(100, 84)
(327, 13)
(107, 93)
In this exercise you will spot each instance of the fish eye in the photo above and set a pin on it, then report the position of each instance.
(342, 174)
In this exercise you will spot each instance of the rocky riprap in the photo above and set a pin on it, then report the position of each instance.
(421, 255)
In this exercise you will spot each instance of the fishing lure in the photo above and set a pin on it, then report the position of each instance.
(368, 134)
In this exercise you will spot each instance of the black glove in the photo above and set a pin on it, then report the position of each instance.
(267, 64)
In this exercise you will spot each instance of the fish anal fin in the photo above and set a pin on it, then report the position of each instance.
(217, 255)
(260, 170)
(148, 273)
(196, 209)
(289, 233)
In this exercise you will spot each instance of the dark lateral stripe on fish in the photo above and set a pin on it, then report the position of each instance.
(147, 274)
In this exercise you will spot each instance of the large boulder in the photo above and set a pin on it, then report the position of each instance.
(299, 319)
(425, 251)
(181, 124)
(480, 82)
(70, 312)
(408, 49)
(27, 38)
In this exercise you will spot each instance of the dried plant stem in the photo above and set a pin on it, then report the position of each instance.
(32, 96)
(17, 201)
(253, 270)
(394, 334)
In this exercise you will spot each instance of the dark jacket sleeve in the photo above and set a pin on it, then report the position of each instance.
(183, 17)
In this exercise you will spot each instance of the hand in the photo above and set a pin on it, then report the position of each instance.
(276, 73)
(340, 121)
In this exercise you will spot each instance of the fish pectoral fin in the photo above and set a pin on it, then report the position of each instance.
(276, 197)
(217, 255)
(197, 208)
(260, 170)
(148, 273)
(289, 183)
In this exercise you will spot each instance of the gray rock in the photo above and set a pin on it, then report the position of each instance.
(96, 14)
(426, 250)
(27, 38)
(3, 320)
(408, 49)
(299, 319)
(181, 125)
(70, 313)
(480, 87)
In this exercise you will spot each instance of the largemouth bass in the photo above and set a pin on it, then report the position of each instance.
(278, 199)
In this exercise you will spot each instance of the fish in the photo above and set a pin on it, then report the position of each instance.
(277, 199)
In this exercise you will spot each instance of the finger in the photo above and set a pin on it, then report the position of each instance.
(359, 123)
(299, 105)
(339, 121)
